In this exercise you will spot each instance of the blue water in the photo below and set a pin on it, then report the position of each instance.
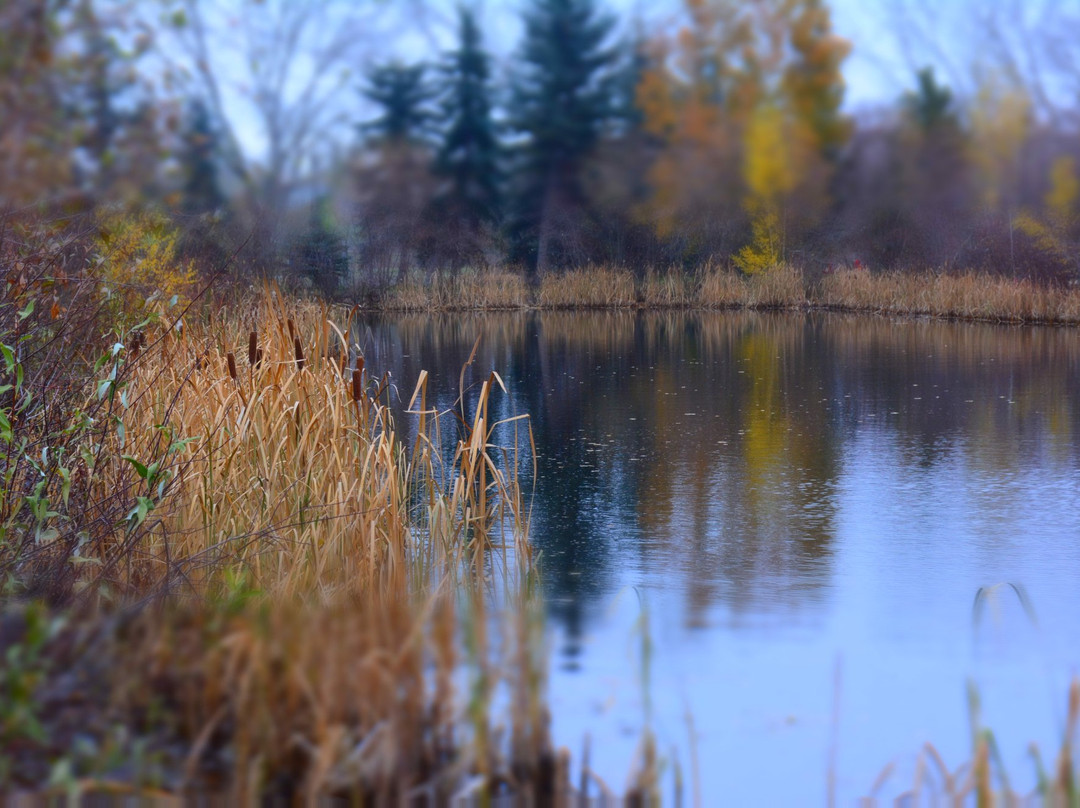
(797, 512)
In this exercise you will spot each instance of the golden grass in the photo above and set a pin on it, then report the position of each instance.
(967, 295)
(328, 582)
(983, 781)
(973, 296)
(593, 287)
(671, 289)
(486, 290)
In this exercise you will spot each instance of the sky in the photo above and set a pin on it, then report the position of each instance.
(890, 39)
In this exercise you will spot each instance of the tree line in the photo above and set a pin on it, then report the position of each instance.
(718, 136)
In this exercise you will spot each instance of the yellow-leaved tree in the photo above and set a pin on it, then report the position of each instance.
(771, 167)
(1056, 233)
(1000, 122)
(140, 267)
(744, 100)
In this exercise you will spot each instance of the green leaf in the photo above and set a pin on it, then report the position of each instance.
(27, 311)
(9, 356)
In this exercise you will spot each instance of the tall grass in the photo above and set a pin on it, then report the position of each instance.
(320, 584)
(486, 290)
(594, 287)
(964, 296)
(970, 296)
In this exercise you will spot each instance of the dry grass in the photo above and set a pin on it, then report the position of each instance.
(593, 287)
(965, 296)
(324, 583)
(487, 291)
(780, 287)
(721, 289)
(983, 781)
(671, 289)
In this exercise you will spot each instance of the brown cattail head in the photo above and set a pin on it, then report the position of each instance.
(253, 348)
(299, 352)
(231, 361)
(357, 384)
(292, 328)
(360, 364)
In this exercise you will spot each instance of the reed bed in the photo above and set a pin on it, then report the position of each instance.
(486, 291)
(671, 289)
(967, 295)
(320, 588)
(593, 287)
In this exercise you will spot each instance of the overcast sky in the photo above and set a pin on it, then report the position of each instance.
(890, 38)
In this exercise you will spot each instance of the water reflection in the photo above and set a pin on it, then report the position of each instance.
(704, 451)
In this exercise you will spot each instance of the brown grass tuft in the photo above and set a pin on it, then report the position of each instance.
(594, 287)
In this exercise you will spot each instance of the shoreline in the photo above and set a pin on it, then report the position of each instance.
(966, 297)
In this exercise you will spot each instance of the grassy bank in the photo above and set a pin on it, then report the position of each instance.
(224, 572)
(966, 295)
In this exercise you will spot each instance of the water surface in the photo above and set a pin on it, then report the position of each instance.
(800, 509)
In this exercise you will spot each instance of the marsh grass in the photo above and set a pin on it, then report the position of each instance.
(966, 295)
(593, 287)
(297, 592)
(488, 290)
(671, 289)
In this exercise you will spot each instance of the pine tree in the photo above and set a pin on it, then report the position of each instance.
(321, 251)
(930, 105)
(396, 186)
(402, 93)
(201, 191)
(562, 104)
(468, 157)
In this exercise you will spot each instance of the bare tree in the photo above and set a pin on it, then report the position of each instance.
(272, 73)
(1030, 44)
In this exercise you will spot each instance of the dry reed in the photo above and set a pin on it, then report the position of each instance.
(318, 573)
(487, 290)
(968, 295)
(593, 287)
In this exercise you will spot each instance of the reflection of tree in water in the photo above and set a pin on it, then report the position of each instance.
(703, 450)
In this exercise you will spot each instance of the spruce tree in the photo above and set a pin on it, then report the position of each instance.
(402, 94)
(468, 157)
(202, 202)
(321, 251)
(201, 191)
(561, 103)
(396, 187)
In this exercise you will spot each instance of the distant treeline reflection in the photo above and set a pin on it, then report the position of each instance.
(709, 446)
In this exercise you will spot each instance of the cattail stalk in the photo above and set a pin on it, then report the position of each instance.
(299, 352)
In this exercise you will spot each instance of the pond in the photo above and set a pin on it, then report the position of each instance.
(802, 511)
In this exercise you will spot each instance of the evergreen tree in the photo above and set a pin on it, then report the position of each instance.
(402, 93)
(321, 251)
(562, 104)
(930, 105)
(468, 155)
(201, 192)
(396, 187)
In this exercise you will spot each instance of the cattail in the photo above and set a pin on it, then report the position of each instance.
(357, 384)
(292, 328)
(253, 348)
(231, 360)
(299, 352)
(360, 364)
